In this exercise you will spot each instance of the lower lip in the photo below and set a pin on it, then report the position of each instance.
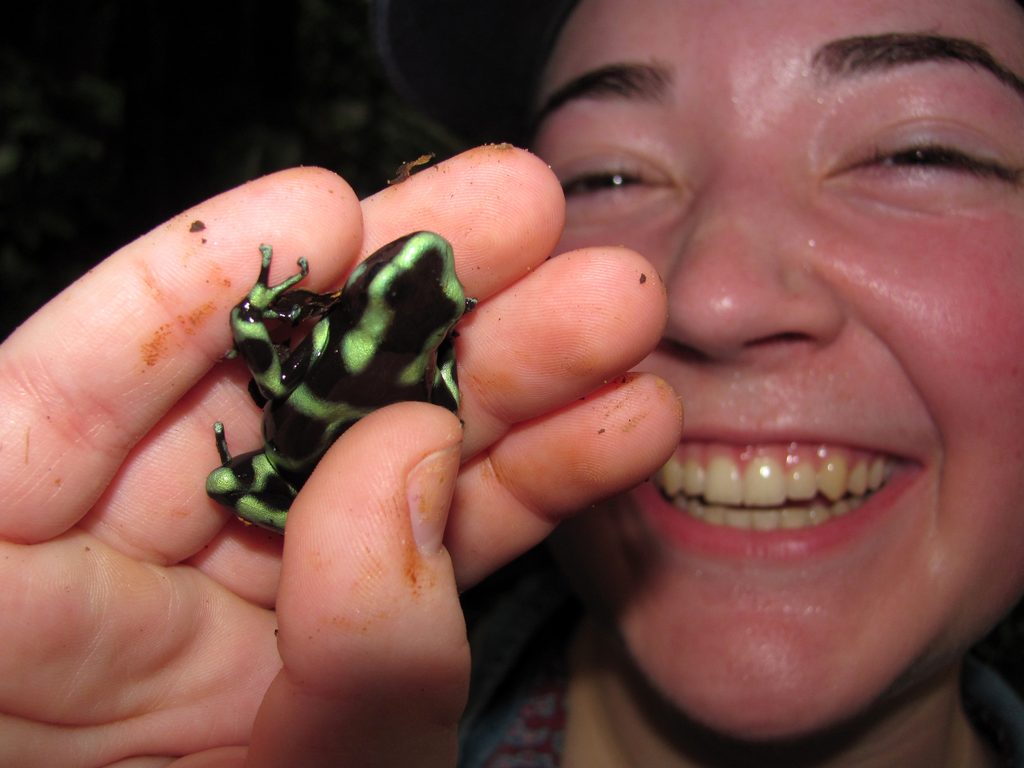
(695, 536)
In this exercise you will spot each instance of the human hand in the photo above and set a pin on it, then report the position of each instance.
(140, 619)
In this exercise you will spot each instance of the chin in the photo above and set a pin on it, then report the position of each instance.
(751, 688)
(749, 653)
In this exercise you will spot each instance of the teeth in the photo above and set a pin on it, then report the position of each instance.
(671, 478)
(763, 485)
(876, 474)
(693, 478)
(857, 482)
(722, 484)
(801, 481)
(832, 476)
(767, 520)
(766, 488)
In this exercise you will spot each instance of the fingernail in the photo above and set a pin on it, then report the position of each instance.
(429, 490)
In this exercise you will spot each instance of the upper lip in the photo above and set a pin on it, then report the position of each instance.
(738, 406)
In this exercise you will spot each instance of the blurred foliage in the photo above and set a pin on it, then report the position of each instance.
(115, 116)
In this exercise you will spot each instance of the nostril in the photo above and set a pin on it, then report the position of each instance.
(775, 346)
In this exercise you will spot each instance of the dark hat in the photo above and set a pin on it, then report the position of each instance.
(472, 65)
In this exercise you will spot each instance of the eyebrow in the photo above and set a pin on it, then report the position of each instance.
(631, 80)
(853, 55)
(846, 57)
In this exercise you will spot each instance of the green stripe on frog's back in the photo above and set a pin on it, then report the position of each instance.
(424, 260)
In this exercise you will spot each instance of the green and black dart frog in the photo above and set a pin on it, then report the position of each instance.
(386, 337)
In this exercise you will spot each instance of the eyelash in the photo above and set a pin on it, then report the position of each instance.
(938, 156)
(601, 181)
(925, 156)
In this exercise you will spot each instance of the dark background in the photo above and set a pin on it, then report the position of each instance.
(114, 116)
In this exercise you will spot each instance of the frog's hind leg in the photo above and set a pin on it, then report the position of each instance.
(250, 486)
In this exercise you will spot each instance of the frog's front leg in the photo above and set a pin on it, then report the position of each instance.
(250, 485)
(248, 326)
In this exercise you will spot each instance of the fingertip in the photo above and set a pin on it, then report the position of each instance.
(356, 504)
(501, 207)
(429, 489)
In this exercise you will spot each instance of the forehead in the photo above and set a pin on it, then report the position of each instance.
(770, 38)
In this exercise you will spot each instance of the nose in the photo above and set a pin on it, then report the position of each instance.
(746, 282)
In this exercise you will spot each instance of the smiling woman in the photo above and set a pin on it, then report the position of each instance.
(832, 195)
(819, 203)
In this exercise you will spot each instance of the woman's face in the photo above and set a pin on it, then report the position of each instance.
(833, 195)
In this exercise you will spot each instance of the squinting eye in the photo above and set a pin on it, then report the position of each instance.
(943, 158)
(591, 183)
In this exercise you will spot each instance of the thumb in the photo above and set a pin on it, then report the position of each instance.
(371, 633)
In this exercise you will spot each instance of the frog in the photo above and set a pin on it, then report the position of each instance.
(387, 336)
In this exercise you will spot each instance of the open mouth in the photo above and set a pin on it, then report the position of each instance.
(771, 487)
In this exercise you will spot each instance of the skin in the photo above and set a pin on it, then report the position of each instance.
(139, 617)
(818, 294)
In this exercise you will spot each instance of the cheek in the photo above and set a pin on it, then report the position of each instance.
(947, 303)
(973, 325)
(945, 299)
